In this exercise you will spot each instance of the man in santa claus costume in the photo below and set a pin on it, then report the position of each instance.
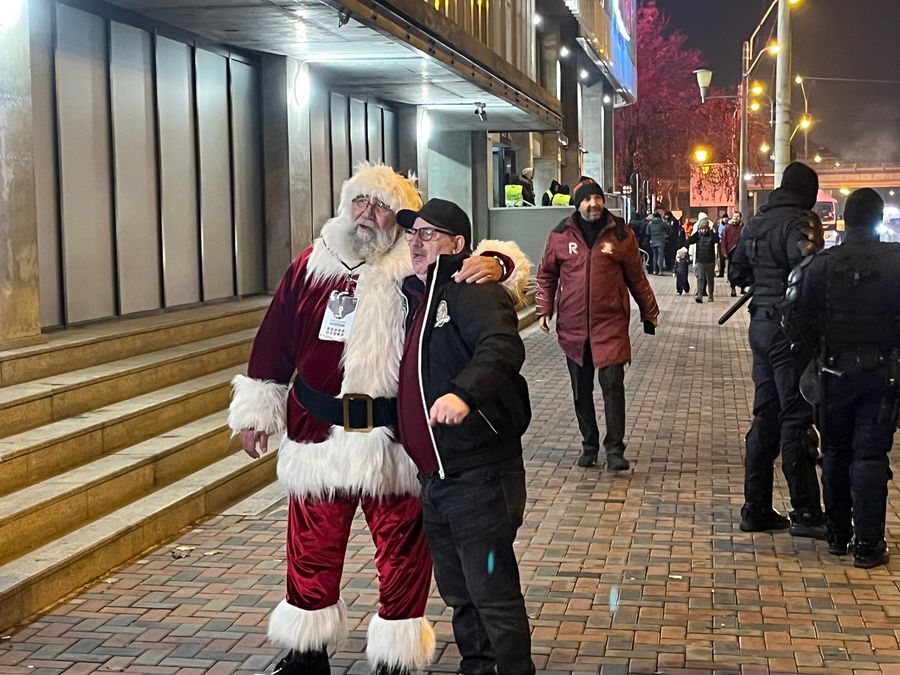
(337, 318)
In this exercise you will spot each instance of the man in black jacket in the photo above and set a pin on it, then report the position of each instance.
(773, 242)
(463, 407)
(707, 240)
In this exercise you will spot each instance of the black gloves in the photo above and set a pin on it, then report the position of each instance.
(649, 328)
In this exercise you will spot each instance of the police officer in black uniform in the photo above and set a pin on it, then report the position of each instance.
(774, 241)
(846, 302)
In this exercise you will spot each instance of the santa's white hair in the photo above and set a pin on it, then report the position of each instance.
(387, 186)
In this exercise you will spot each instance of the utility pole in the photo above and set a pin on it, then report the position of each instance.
(743, 151)
(783, 92)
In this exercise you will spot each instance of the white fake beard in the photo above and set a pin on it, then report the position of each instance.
(370, 244)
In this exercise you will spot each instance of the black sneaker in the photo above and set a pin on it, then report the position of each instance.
(866, 555)
(733, 294)
(839, 543)
(698, 300)
(809, 524)
(304, 663)
(617, 463)
(587, 459)
(762, 520)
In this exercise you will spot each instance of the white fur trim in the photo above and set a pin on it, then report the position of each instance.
(306, 629)
(257, 404)
(405, 643)
(382, 182)
(517, 283)
(369, 463)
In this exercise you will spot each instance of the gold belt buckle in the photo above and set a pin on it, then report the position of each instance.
(370, 410)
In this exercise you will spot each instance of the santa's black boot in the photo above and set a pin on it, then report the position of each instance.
(384, 669)
(304, 663)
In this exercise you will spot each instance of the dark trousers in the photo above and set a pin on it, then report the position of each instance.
(706, 279)
(612, 383)
(658, 257)
(722, 259)
(471, 519)
(682, 284)
(858, 430)
(781, 419)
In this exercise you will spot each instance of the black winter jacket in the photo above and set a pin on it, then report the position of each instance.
(706, 245)
(769, 249)
(470, 346)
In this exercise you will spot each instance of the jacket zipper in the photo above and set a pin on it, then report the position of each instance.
(421, 373)
(484, 417)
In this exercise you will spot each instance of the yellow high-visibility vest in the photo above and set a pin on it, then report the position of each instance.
(560, 199)
(513, 195)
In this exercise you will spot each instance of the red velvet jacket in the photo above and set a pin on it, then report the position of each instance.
(587, 288)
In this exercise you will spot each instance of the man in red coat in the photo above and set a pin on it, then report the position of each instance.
(337, 319)
(590, 264)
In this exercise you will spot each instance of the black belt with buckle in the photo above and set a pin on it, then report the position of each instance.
(353, 412)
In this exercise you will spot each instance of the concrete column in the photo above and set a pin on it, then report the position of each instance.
(592, 136)
(20, 323)
(571, 156)
(286, 162)
(481, 185)
(609, 143)
(449, 168)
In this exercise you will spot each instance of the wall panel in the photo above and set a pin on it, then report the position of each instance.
(340, 145)
(84, 152)
(391, 157)
(178, 177)
(216, 240)
(374, 133)
(248, 212)
(320, 158)
(45, 186)
(358, 151)
(134, 144)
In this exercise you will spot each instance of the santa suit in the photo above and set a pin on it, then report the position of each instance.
(326, 470)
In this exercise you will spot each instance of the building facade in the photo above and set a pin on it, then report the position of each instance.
(156, 155)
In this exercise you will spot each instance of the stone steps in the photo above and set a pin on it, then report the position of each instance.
(45, 576)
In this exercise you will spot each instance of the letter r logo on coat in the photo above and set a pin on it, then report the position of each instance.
(573, 247)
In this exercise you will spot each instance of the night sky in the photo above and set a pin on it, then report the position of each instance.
(832, 38)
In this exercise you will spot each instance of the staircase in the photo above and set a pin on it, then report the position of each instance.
(112, 439)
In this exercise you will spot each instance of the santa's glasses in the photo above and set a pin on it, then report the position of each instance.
(381, 209)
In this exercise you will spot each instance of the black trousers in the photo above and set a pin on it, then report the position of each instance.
(781, 419)
(858, 429)
(612, 383)
(471, 519)
(682, 284)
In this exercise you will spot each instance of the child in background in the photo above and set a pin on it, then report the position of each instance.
(682, 262)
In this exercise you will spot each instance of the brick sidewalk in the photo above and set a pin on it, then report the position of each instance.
(642, 572)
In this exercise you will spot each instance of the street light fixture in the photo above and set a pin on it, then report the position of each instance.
(817, 158)
(806, 122)
(757, 89)
(701, 154)
(754, 106)
(764, 148)
(774, 48)
(704, 77)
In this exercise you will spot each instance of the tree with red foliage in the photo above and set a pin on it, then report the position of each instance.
(656, 135)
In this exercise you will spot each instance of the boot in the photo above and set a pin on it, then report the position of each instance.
(304, 663)
(617, 462)
(839, 542)
(809, 524)
(767, 519)
(383, 669)
(587, 459)
(867, 554)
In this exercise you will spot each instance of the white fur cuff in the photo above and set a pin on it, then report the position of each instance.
(517, 283)
(405, 643)
(257, 404)
(306, 630)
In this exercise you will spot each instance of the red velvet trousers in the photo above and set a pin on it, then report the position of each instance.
(318, 531)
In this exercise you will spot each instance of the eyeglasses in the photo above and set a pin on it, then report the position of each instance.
(381, 209)
(425, 233)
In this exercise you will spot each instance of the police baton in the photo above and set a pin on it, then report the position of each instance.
(743, 300)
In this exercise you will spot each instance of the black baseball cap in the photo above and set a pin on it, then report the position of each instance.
(443, 215)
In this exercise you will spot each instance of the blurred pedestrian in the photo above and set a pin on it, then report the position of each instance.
(547, 199)
(772, 243)
(720, 230)
(729, 243)
(681, 267)
(706, 241)
(843, 304)
(656, 231)
(592, 261)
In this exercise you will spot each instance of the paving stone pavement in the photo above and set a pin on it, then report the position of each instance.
(639, 572)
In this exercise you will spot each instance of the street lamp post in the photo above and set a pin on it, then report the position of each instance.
(743, 162)
(783, 91)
